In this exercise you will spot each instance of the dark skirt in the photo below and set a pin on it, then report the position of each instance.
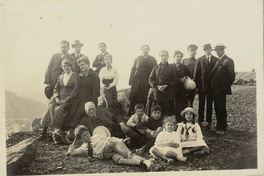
(111, 96)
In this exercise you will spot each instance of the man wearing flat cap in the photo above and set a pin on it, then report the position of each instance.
(77, 46)
(222, 77)
(201, 77)
(190, 63)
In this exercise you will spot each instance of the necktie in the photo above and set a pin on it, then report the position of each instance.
(139, 119)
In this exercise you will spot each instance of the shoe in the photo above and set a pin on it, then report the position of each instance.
(183, 159)
(185, 151)
(149, 164)
(127, 140)
(140, 152)
(170, 160)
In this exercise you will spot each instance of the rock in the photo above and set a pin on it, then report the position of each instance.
(20, 155)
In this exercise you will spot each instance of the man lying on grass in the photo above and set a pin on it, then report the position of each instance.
(102, 146)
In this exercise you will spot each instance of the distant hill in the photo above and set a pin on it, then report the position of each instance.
(22, 108)
(246, 75)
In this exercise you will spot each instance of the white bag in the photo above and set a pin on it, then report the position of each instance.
(189, 84)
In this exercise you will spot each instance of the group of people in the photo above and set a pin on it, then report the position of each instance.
(84, 103)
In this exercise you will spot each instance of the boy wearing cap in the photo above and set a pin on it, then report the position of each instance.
(201, 77)
(222, 77)
(190, 63)
(77, 46)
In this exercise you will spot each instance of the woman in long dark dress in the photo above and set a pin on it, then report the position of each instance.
(139, 76)
(88, 90)
(180, 73)
(161, 79)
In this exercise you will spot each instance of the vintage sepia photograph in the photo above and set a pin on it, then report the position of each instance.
(99, 87)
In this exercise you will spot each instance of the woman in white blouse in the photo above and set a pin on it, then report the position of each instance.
(109, 79)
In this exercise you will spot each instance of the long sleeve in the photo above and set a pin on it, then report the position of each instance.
(56, 92)
(74, 92)
(48, 71)
(96, 89)
(231, 71)
(198, 132)
(132, 72)
(101, 76)
(153, 77)
(179, 129)
(96, 62)
(116, 78)
(197, 72)
(159, 140)
(131, 121)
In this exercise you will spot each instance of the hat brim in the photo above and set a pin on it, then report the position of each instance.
(80, 44)
(188, 110)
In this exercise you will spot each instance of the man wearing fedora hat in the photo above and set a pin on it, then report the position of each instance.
(190, 63)
(201, 77)
(222, 77)
(77, 46)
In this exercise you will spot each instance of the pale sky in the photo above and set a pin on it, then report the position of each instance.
(32, 32)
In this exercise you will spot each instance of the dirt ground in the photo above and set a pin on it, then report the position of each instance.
(235, 150)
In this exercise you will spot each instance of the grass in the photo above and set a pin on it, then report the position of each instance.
(235, 150)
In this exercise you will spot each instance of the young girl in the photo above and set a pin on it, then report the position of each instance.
(190, 133)
(167, 145)
(100, 145)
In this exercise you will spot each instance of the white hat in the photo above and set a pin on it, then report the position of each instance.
(101, 130)
(189, 109)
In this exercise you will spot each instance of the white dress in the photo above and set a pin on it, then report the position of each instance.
(190, 135)
(166, 137)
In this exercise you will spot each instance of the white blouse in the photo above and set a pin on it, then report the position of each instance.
(165, 137)
(66, 78)
(109, 74)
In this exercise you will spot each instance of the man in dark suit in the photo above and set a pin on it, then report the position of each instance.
(203, 68)
(222, 77)
(190, 63)
(54, 68)
(99, 63)
(77, 46)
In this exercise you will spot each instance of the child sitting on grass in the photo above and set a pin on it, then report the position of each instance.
(167, 145)
(153, 126)
(101, 146)
(138, 118)
(190, 133)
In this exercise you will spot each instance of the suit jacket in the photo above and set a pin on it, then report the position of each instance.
(222, 76)
(75, 66)
(162, 74)
(178, 73)
(54, 68)
(202, 73)
(66, 92)
(190, 63)
(98, 62)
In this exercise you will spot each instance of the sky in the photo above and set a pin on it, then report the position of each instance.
(32, 31)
